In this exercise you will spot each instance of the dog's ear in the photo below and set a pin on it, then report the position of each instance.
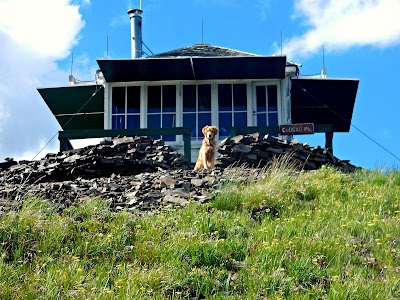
(215, 130)
(204, 130)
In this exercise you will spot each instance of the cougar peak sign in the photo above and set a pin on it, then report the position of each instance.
(293, 129)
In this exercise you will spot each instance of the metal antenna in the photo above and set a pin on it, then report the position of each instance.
(323, 72)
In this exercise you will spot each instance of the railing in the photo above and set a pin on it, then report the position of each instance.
(327, 128)
(66, 135)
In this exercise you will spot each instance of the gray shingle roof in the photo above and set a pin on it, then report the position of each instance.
(202, 50)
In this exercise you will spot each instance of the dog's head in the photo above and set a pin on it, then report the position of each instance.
(210, 132)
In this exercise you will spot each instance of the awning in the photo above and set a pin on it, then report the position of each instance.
(76, 107)
(193, 68)
(324, 101)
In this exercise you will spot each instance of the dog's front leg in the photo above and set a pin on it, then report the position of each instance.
(204, 156)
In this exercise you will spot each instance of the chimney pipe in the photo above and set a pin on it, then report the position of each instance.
(136, 32)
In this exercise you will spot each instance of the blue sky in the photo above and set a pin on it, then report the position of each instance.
(361, 39)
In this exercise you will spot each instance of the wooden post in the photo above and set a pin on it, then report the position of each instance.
(329, 141)
(65, 144)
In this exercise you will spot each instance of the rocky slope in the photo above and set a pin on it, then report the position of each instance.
(141, 174)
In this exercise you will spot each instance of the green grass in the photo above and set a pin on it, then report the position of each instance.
(292, 235)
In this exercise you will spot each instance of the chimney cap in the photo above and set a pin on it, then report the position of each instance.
(135, 10)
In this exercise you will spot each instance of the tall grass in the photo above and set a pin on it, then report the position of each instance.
(285, 235)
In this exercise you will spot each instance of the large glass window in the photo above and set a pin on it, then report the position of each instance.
(232, 107)
(196, 108)
(267, 105)
(125, 107)
(161, 109)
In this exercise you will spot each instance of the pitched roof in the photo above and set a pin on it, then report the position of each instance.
(202, 50)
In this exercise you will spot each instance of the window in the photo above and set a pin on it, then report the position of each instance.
(125, 107)
(267, 105)
(161, 109)
(232, 107)
(196, 108)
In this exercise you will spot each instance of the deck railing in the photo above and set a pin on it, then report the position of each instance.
(66, 135)
(327, 128)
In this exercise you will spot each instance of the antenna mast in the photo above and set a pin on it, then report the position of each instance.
(323, 72)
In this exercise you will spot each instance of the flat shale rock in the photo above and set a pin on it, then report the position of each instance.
(252, 151)
(138, 173)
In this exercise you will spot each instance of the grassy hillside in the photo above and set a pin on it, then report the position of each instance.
(314, 235)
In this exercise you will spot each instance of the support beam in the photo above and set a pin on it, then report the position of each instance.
(329, 141)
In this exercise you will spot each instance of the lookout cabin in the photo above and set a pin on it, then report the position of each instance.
(172, 95)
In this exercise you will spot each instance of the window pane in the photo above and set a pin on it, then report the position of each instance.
(168, 121)
(189, 120)
(204, 97)
(261, 120)
(118, 122)
(240, 119)
(169, 98)
(225, 97)
(204, 119)
(154, 121)
(154, 99)
(272, 98)
(133, 121)
(133, 99)
(240, 97)
(118, 100)
(225, 124)
(189, 98)
(273, 119)
(261, 98)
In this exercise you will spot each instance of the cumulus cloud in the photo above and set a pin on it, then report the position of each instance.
(341, 24)
(34, 36)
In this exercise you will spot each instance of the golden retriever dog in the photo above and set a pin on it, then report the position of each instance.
(206, 158)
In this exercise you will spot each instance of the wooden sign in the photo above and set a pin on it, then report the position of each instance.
(293, 129)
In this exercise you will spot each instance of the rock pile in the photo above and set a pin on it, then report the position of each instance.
(134, 173)
(141, 174)
(121, 156)
(254, 151)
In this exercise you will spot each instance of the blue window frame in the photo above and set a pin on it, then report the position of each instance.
(125, 107)
(232, 107)
(161, 109)
(196, 108)
(267, 105)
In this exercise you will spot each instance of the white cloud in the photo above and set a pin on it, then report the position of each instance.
(49, 27)
(34, 35)
(341, 24)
